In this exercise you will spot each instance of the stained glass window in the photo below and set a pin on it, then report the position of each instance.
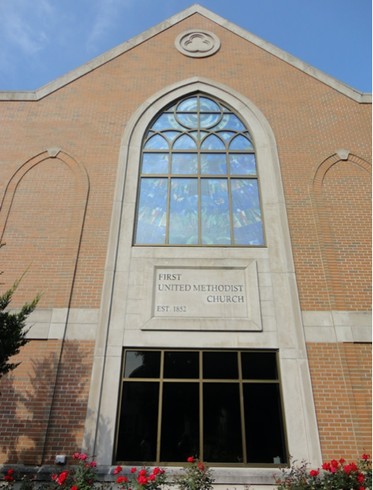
(198, 179)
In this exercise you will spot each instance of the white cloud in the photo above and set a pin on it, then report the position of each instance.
(24, 26)
(106, 15)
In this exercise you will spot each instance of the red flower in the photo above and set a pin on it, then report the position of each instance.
(348, 468)
(190, 459)
(326, 466)
(142, 480)
(334, 463)
(365, 457)
(342, 460)
(83, 456)
(74, 487)
(201, 466)
(360, 478)
(76, 456)
(62, 477)
(93, 464)
(122, 479)
(142, 472)
(9, 475)
(156, 471)
(152, 477)
(314, 473)
(117, 470)
(133, 470)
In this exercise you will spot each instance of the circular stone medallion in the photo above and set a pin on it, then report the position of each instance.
(197, 43)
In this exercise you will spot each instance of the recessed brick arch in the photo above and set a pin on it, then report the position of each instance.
(43, 210)
(341, 185)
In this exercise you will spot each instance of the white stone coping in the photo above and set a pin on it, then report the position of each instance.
(337, 326)
(62, 323)
(319, 326)
(226, 478)
(51, 87)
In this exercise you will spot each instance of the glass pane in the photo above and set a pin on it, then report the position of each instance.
(184, 212)
(220, 365)
(214, 163)
(230, 121)
(184, 163)
(240, 143)
(185, 142)
(180, 421)
(188, 105)
(137, 434)
(142, 364)
(199, 135)
(265, 439)
(215, 212)
(221, 423)
(226, 135)
(166, 121)
(183, 365)
(242, 164)
(247, 219)
(171, 135)
(213, 143)
(156, 142)
(188, 120)
(259, 365)
(208, 120)
(155, 163)
(208, 105)
(151, 213)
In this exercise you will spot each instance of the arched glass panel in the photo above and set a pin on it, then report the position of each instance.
(198, 180)
(156, 142)
(185, 142)
(212, 142)
(241, 143)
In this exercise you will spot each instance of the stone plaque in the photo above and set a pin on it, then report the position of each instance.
(200, 293)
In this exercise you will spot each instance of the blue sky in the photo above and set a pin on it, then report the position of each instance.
(41, 40)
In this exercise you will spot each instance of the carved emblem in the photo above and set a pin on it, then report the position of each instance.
(197, 44)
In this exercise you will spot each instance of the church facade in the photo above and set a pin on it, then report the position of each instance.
(194, 207)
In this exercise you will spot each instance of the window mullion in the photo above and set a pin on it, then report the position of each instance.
(201, 456)
(160, 402)
(242, 410)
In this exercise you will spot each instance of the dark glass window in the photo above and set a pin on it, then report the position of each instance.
(198, 179)
(224, 406)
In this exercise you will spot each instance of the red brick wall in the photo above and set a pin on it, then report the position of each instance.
(341, 380)
(37, 423)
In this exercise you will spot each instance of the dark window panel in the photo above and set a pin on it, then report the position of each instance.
(220, 365)
(182, 365)
(180, 421)
(265, 439)
(222, 423)
(137, 435)
(142, 364)
(259, 365)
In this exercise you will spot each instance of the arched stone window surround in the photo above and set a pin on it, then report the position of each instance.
(322, 217)
(112, 333)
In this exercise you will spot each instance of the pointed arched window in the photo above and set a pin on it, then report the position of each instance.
(198, 181)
